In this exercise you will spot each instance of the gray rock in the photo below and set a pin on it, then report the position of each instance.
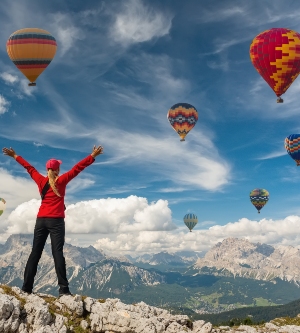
(245, 328)
(271, 326)
(84, 324)
(206, 328)
(72, 303)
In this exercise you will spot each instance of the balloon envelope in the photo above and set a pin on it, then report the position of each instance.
(275, 54)
(31, 50)
(292, 146)
(190, 220)
(259, 197)
(182, 117)
(2, 206)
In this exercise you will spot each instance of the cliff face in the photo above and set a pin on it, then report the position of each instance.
(253, 260)
(41, 313)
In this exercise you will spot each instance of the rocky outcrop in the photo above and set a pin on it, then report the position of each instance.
(252, 260)
(41, 313)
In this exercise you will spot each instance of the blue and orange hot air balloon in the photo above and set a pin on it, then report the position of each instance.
(31, 50)
(275, 54)
(182, 117)
(292, 146)
(259, 197)
(190, 220)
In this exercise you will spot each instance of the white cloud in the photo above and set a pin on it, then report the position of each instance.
(100, 216)
(274, 154)
(22, 219)
(65, 32)
(80, 183)
(221, 14)
(4, 104)
(9, 78)
(15, 190)
(37, 144)
(202, 169)
(138, 23)
(273, 232)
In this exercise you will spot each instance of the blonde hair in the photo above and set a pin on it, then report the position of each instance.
(52, 179)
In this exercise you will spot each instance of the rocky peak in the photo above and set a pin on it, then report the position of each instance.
(255, 260)
(18, 240)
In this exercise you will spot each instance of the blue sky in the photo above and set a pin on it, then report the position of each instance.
(119, 67)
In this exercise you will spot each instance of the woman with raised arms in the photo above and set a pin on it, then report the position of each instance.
(50, 217)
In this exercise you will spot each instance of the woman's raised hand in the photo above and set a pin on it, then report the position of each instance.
(9, 152)
(97, 151)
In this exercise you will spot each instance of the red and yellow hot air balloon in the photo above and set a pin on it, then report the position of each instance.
(182, 117)
(275, 54)
(31, 50)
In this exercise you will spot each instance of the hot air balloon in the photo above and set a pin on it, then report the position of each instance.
(292, 146)
(182, 117)
(31, 50)
(2, 206)
(259, 197)
(275, 54)
(190, 220)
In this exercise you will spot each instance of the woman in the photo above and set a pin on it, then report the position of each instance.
(50, 218)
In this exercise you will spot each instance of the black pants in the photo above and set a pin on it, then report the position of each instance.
(56, 228)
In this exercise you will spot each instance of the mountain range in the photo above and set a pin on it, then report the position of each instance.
(233, 274)
(242, 258)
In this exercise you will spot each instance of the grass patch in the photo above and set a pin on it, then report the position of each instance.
(286, 321)
(8, 291)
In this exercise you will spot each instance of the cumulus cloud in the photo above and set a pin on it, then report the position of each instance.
(4, 104)
(109, 215)
(15, 190)
(22, 219)
(266, 231)
(132, 225)
(138, 23)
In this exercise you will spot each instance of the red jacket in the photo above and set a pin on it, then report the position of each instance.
(53, 205)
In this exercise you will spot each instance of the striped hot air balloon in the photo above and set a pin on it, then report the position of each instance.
(259, 197)
(292, 146)
(31, 50)
(2, 206)
(182, 117)
(275, 54)
(190, 220)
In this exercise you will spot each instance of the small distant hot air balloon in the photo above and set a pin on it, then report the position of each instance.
(182, 117)
(31, 50)
(190, 220)
(275, 54)
(292, 146)
(259, 197)
(2, 206)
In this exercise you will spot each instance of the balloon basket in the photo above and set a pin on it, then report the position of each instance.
(279, 100)
(32, 84)
(182, 140)
(258, 212)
